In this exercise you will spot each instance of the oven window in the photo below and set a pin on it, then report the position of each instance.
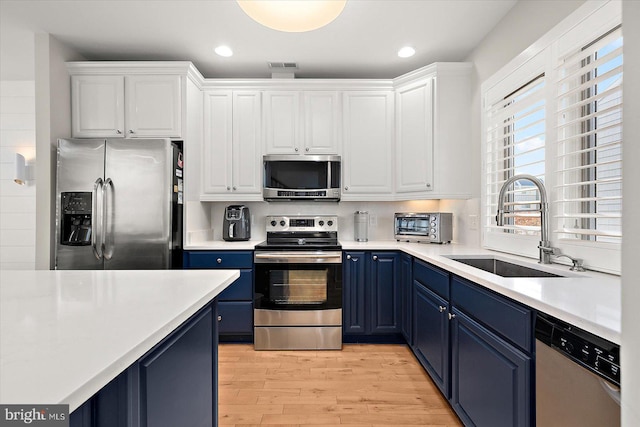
(287, 287)
(411, 225)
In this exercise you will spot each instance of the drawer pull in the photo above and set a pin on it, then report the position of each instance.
(452, 316)
(219, 260)
(442, 309)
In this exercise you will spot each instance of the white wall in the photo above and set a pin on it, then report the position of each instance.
(17, 202)
(53, 121)
(381, 213)
(631, 213)
(526, 22)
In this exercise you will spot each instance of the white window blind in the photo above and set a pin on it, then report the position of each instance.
(589, 142)
(515, 128)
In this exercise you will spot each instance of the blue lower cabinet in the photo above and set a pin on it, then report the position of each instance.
(406, 297)
(491, 379)
(177, 378)
(236, 302)
(235, 318)
(174, 384)
(384, 294)
(354, 320)
(82, 416)
(431, 335)
(371, 297)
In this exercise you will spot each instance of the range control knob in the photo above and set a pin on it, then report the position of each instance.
(568, 347)
(330, 223)
(433, 236)
(273, 223)
(321, 222)
(282, 223)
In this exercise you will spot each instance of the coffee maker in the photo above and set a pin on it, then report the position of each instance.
(237, 223)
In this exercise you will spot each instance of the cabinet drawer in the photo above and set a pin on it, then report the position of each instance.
(235, 317)
(218, 259)
(432, 277)
(511, 320)
(241, 290)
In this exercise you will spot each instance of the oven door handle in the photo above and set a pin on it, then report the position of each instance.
(296, 257)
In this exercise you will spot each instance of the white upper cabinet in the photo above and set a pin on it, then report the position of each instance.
(433, 133)
(414, 137)
(301, 122)
(153, 106)
(119, 101)
(368, 145)
(282, 122)
(232, 155)
(321, 129)
(97, 106)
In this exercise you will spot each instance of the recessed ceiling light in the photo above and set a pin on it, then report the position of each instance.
(224, 51)
(406, 52)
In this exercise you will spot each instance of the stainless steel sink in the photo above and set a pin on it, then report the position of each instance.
(503, 268)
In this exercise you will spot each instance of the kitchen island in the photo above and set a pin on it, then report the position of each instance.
(64, 335)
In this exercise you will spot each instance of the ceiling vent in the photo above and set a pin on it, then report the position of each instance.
(283, 70)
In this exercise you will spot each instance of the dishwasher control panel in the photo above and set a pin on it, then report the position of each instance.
(594, 353)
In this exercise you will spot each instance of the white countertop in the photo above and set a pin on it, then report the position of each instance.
(221, 245)
(65, 334)
(591, 300)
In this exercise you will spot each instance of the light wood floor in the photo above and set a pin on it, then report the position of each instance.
(362, 385)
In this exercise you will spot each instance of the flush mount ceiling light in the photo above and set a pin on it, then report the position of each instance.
(406, 52)
(293, 16)
(224, 51)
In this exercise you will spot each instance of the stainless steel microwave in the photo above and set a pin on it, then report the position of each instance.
(424, 227)
(301, 177)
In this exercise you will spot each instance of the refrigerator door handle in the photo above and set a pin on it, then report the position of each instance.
(106, 234)
(97, 221)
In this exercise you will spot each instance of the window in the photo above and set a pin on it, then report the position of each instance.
(555, 112)
(590, 142)
(516, 145)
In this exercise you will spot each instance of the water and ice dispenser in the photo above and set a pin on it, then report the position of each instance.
(75, 223)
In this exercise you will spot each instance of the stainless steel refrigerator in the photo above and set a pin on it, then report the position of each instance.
(119, 204)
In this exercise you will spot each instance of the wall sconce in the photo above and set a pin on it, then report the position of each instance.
(23, 170)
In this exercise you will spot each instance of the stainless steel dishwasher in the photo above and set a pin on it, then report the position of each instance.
(577, 376)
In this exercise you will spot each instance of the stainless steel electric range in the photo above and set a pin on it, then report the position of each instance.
(298, 285)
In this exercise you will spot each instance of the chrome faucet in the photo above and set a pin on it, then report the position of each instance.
(545, 248)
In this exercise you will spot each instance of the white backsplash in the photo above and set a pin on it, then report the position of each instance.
(380, 216)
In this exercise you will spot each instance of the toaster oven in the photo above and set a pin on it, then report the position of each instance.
(423, 227)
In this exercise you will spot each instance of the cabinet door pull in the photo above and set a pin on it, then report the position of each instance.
(346, 188)
(219, 260)
(131, 131)
(234, 188)
(442, 309)
(375, 257)
(296, 149)
(348, 256)
(452, 316)
(118, 131)
(306, 149)
(219, 318)
(228, 188)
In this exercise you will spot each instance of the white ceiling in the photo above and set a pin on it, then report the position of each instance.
(362, 42)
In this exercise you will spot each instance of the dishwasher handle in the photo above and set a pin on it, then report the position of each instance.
(612, 391)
